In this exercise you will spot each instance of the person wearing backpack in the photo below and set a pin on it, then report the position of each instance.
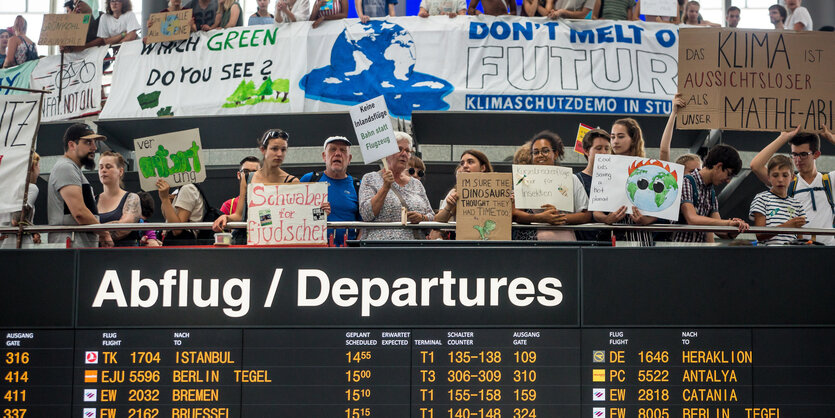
(20, 48)
(812, 188)
(699, 205)
(343, 189)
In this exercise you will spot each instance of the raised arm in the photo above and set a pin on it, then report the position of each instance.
(667, 137)
(758, 164)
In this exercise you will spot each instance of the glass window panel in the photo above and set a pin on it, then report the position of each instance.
(13, 6)
(42, 6)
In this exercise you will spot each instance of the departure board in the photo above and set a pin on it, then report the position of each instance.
(420, 373)
(441, 333)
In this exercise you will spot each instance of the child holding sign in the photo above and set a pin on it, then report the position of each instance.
(547, 149)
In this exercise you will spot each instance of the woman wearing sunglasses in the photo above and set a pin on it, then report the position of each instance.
(273, 146)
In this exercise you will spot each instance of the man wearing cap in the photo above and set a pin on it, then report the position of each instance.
(342, 188)
(70, 198)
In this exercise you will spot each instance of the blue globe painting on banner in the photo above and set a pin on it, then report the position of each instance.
(373, 59)
(651, 186)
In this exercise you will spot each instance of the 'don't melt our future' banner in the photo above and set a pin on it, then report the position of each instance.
(470, 63)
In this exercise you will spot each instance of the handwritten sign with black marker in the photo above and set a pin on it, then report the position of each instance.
(756, 80)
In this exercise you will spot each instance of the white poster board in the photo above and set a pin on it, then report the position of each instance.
(537, 185)
(659, 7)
(653, 186)
(374, 130)
(18, 123)
(286, 214)
(175, 157)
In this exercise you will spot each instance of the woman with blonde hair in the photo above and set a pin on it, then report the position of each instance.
(19, 48)
(229, 15)
(115, 204)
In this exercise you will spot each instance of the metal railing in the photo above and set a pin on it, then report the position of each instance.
(422, 225)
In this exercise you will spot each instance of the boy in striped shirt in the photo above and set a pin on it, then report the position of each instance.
(774, 207)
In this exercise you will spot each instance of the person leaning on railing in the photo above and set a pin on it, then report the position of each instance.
(119, 24)
(115, 204)
(472, 161)
(383, 193)
(547, 149)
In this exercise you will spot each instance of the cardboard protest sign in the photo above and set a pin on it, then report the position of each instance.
(756, 80)
(374, 130)
(581, 132)
(653, 186)
(484, 208)
(286, 214)
(18, 124)
(659, 7)
(537, 185)
(175, 157)
(171, 26)
(64, 29)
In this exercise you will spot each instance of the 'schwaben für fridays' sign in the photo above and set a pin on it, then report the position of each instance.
(756, 80)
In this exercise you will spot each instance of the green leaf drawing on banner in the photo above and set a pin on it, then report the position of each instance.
(165, 111)
(149, 100)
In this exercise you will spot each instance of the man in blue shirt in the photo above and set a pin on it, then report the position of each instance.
(342, 188)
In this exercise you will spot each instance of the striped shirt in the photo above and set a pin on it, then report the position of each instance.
(777, 211)
(705, 206)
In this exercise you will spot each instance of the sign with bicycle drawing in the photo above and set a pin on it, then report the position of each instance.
(75, 87)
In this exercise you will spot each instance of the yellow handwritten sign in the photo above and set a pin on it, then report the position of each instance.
(172, 26)
(756, 80)
(64, 29)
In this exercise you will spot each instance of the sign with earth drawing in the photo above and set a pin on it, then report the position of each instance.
(172, 26)
(470, 63)
(652, 186)
(175, 157)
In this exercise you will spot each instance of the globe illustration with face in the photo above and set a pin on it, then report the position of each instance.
(652, 186)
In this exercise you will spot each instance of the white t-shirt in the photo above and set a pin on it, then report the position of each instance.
(800, 15)
(439, 7)
(189, 199)
(822, 217)
(110, 26)
(581, 203)
(300, 9)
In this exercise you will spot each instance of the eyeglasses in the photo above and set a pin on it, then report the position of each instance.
(274, 133)
(803, 154)
(543, 151)
(731, 173)
(420, 173)
(401, 149)
(246, 171)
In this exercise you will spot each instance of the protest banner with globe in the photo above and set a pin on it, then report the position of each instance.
(652, 186)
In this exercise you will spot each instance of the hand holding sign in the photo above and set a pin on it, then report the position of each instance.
(64, 29)
(172, 26)
(175, 157)
(653, 186)
(374, 130)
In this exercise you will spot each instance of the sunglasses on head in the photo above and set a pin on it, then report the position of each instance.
(274, 133)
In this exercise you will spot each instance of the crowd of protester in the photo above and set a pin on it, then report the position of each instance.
(119, 24)
(396, 193)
